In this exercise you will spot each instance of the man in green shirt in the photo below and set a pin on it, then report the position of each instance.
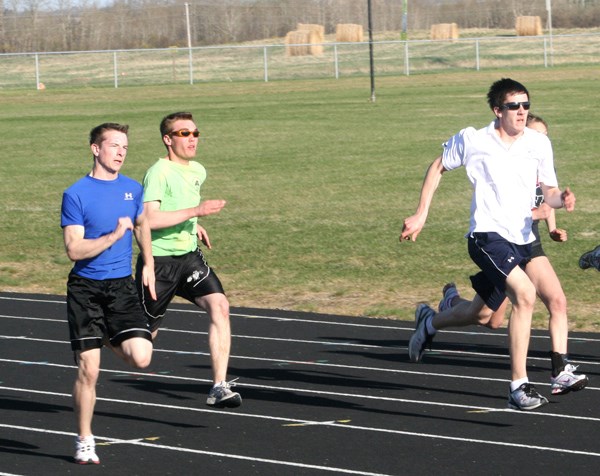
(172, 205)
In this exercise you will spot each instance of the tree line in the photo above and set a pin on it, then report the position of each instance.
(87, 25)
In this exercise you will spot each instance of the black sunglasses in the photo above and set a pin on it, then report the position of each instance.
(514, 106)
(185, 133)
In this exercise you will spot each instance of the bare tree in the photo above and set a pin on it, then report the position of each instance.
(57, 25)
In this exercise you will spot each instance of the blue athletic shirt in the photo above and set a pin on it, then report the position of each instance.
(97, 205)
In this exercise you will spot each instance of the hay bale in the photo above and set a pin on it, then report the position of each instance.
(444, 31)
(529, 26)
(303, 43)
(349, 32)
(319, 29)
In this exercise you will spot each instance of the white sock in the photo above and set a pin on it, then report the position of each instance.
(517, 383)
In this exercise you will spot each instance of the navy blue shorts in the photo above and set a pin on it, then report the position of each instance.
(187, 276)
(496, 257)
(96, 309)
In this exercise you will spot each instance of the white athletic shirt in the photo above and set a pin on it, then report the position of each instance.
(503, 178)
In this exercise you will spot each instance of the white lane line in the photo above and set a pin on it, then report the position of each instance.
(461, 353)
(333, 365)
(319, 392)
(310, 363)
(335, 424)
(316, 321)
(155, 446)
(323, 343)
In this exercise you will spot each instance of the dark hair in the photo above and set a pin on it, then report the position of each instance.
(167, 122)
(533, 118)
(502, 88)
(97, 133)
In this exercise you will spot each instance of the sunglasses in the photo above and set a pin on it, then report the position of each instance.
(185, 133)
(514, 106)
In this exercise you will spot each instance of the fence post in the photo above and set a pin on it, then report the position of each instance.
(37, 71)
(406, 65)
(266, 64)
(191, 65)
(115, 69)
(477, 54)
(335, 62)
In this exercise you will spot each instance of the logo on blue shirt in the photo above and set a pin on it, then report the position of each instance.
(128, 196)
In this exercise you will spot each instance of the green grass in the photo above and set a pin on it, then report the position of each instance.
(318, 180)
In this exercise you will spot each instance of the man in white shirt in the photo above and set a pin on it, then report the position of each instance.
(502, 162)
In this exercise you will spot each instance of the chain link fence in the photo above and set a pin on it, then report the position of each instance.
(123, 68)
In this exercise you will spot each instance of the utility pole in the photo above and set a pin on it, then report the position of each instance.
(371, 51)
(404, 34)
(549, 9)
(189, 41)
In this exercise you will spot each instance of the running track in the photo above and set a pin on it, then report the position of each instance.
(322, 395)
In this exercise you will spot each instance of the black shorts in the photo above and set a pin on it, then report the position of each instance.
(96, 309)
(496, 257)
(187, 276)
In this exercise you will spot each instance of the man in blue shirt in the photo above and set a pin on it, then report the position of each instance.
(99, 213)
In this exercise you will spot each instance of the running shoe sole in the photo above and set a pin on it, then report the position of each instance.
(233, 401)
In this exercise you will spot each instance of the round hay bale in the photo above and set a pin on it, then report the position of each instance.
(349, 32)
(444, 31)
(318, 29)
(303, 43)
(528, 26)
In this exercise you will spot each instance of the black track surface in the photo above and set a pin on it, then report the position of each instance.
(322, 394)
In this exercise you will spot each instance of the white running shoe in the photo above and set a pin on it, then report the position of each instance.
(221, 396)
(525, 397)
(85, 451)
(568, 381)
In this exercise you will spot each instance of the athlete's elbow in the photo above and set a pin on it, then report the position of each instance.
(71, 254)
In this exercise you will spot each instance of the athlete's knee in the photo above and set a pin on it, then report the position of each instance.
(217, 306)
(141, 357)
(494, 319)
(89, 371)
(557, 304)
(524, 298)
(484, 317)
(89, 376)
(494, 323)
(220, 315)
(476, 311)
(142, 361)
(137, 352)
(224, 307)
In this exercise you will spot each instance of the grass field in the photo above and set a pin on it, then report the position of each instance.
(318, 180)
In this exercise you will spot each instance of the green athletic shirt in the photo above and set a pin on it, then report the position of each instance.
(176, 187)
